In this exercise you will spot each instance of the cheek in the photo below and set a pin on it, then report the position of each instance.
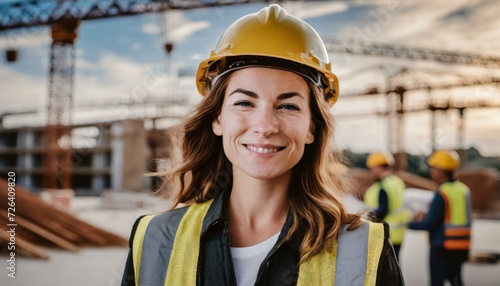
(231, 125)
(307, 132)
(299, 132)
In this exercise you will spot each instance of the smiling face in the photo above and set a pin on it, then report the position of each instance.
(265, 122)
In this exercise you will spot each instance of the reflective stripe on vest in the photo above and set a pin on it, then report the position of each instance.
(458, 214)
(359, 250)
(398, 216)
(137, 244)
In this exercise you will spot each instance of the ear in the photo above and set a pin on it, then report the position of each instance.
(310, 134)
(216, 126)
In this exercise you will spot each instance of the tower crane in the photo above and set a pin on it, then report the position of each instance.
(64, 17)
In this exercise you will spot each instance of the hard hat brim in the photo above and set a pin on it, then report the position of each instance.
(214, 67)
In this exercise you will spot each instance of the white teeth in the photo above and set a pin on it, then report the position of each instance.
(262, 150)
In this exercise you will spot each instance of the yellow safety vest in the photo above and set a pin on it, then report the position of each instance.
(183, 263)
(457, 216)
(398, 216)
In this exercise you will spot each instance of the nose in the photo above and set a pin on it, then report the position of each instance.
(265, 122)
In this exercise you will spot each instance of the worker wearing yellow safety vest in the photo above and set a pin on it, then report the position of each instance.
(448, 221)
(386, 197)
(257, 152)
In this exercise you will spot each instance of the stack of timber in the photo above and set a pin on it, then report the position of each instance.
(482, 183)
(40, 224)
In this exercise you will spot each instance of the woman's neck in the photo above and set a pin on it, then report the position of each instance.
(257, 210)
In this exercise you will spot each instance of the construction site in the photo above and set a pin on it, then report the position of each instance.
(93, 94)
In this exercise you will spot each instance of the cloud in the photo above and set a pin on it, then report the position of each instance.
(177, 27)
(448, 25)
(179, 34)
(308, 11)
(18, 89)
(120, 79)
(151, 29)
(25, 38)
(196, 56)
(83, 64)
(136, 46)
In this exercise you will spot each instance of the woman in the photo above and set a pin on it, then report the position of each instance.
(263, 207)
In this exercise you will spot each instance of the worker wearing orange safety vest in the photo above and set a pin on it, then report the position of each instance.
(385, 197)
(448, 220)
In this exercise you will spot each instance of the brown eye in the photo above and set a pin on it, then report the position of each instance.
(243, 103)
(289, 107)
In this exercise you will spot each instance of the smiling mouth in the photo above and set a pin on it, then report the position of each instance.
(265, 150)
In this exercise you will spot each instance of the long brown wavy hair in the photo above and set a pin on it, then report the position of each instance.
(318, 179)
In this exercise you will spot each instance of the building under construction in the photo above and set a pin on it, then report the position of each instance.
(97, 156)
(99, 162)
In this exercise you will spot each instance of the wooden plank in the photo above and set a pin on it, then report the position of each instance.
(485, 257)
(23, 245)
(55, 239)
(67, 226)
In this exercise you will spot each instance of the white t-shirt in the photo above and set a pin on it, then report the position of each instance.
(247, 260)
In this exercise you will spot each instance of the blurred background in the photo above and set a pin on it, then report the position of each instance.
(92, 94)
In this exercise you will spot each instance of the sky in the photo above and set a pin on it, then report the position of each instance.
(122, 59)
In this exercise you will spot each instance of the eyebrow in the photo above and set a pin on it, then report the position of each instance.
(252, 94)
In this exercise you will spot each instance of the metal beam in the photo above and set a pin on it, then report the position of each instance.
(47, 12)
(411, 53)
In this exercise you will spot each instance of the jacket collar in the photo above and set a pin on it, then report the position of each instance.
(216, 212)
(216, 216)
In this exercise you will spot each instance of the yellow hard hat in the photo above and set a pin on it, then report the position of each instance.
(270, 38)
(444, 159)
(379, 159)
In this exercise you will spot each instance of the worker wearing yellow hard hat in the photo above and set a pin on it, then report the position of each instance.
(260, 209)
(448, 221)
(386, 198)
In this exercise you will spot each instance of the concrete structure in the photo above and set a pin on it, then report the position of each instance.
(111, 155)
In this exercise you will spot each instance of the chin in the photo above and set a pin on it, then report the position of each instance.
(266, 175)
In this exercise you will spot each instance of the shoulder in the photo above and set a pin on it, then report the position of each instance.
(165, 223)
(368, 227)
(372, 239)
(368, 233)
(168, 217)
(393, 181)
(462, 185)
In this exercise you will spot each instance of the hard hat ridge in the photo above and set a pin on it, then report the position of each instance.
(274, 12)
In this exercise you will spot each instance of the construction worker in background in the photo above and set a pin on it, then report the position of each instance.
(386, 197)
(448, 220)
